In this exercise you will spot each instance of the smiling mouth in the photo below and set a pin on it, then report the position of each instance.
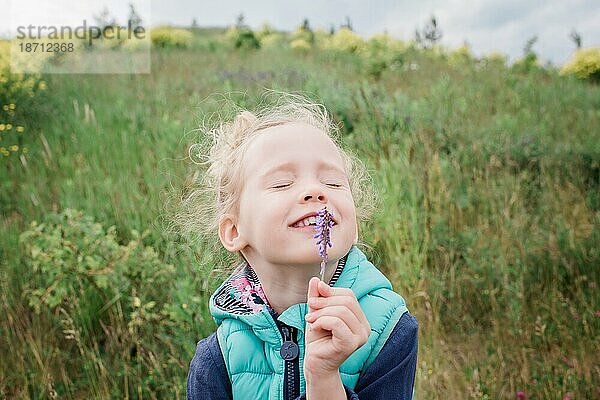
(311, 226)
(309, 221)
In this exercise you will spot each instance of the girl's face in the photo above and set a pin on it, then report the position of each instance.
(289, 171)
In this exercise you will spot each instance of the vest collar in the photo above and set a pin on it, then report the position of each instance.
(357, 274)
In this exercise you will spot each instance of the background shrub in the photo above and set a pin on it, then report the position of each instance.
(171, 37)
(585, 64)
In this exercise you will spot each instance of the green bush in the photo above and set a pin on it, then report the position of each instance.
(109, 299)
(527, 64)
(70, 254)
(242, 38)
(382, 52)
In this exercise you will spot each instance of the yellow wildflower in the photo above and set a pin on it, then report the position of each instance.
(20, 129)
(8, 127)
(584, 64)
(300, 44)
(5, 107)
(42, 85)
(346, 40)
(11, 106)
(14, 147)
(2, 127)
(25, 150)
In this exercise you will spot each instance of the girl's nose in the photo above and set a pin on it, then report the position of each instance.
(314, 193)
(320, 197)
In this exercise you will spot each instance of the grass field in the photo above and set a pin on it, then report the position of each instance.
(488, 223)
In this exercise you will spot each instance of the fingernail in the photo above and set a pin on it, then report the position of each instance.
(308, 316)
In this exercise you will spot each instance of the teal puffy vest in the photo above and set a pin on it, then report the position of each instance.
(250, 343)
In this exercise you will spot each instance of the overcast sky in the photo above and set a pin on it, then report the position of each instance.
(486, 25)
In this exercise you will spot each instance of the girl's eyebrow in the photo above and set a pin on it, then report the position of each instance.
(290, 166)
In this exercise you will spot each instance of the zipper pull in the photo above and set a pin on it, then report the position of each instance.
(286, 333)
(289, 350)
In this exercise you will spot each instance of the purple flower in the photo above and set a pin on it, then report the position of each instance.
(521, 395)
(324, 223)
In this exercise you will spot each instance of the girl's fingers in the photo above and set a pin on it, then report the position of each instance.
(325, 297)
(328, 291)
(338, 329)
(342, 338)
(345, 298)
(340, 312)
(313, 287)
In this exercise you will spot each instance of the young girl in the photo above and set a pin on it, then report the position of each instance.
(282, 332)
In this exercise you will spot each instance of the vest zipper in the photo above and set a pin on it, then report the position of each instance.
(291, 380)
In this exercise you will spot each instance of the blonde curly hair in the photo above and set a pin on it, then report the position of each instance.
(214, 189)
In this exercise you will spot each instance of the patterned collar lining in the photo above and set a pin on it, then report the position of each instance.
(242, 293)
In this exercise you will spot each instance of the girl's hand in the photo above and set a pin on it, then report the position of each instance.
(338, 328)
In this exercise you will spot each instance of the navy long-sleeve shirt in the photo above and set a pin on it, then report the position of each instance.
(390, 376)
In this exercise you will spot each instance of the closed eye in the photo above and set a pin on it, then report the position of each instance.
(336, 185)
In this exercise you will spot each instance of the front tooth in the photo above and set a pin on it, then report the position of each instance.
(311, 220)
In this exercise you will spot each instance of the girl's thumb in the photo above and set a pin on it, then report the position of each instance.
(313, 287)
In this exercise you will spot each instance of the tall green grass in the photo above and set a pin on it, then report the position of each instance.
(488, 223)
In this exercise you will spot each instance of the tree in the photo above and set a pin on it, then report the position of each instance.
(528, 48)
(347, 24)
(304, 32)
(194, 23)
(306, 25)
(105, 19)
(429, 35)
(529, 62)
(576, 38)
(243, 36)
(106, 22)
(241, 22)
(134, 20)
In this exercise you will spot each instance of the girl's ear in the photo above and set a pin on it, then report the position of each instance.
(229, 234)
